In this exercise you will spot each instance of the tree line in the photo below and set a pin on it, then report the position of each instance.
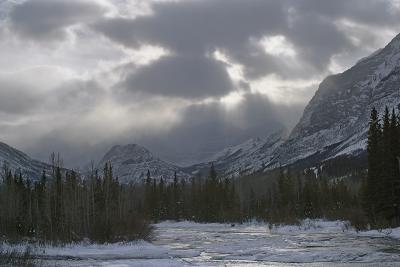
(286, 199)
(208, 199)
(63, 207)
(381, 188)
(305, 195)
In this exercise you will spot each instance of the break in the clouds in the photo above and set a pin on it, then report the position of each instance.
(184, 78)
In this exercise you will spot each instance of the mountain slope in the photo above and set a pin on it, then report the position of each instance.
(253, 155)
(19, 161)
(131, 163)
(335, 122)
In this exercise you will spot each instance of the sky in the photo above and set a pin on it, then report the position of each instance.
(185, 78)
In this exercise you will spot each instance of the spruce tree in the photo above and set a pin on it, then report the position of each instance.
(371, 198)
(388, 197)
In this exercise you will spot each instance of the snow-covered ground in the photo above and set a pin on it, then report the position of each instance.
(312, 243)
(139, 253)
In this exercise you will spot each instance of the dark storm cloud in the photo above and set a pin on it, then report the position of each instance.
(194, 28)
(197, 27)
(176, 76)
(48, 19)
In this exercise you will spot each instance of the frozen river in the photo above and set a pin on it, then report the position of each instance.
(319, 243)
(314, 243)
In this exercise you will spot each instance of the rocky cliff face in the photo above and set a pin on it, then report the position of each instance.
(335, 122)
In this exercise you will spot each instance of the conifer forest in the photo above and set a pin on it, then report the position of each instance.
(63, 206)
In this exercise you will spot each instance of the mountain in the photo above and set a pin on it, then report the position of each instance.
(131, 163)
(19, 161)
(253, 155)
(335, 122)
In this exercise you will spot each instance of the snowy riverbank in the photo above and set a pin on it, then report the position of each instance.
(304, 226)
(183, 243)
(140, 253)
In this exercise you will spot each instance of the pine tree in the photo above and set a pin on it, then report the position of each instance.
(175, 198)
(371, 198)
(148, 198)
(162, 198)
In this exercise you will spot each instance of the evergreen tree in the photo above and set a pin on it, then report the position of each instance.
(371, 198)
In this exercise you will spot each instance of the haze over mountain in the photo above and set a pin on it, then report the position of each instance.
(199, 132)
(79, 76)
(334, 123)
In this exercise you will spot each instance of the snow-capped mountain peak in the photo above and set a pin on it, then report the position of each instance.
(335, 122)
(131, 163)
(132, 152)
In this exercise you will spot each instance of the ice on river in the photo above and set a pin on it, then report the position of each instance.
(312, 243)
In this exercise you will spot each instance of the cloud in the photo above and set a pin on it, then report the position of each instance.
(79, 76)
(48, 20)
(26, 90)
(209, 127)
(198, 27)
(182, 77)
(14, 99)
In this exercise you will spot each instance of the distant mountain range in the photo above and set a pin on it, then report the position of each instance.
(334, 123)
(18, 161)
